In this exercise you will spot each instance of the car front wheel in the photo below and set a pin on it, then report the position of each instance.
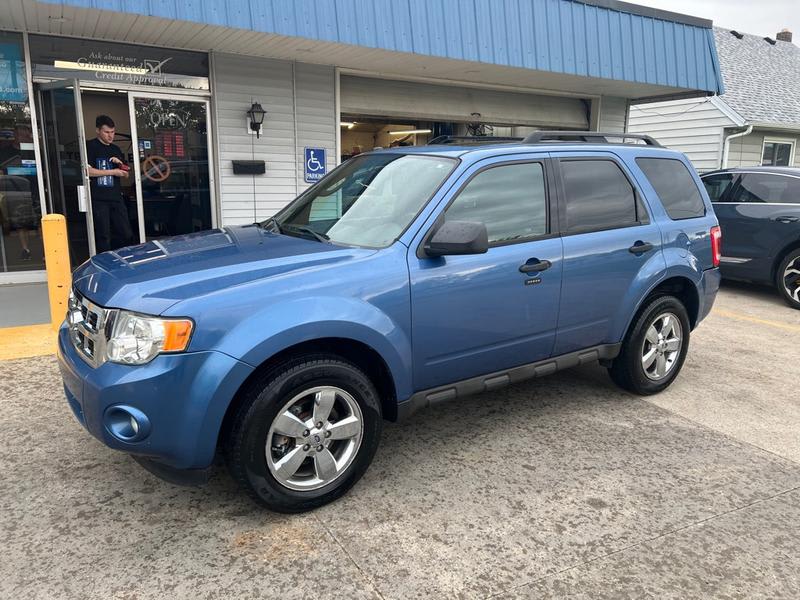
(305, 433)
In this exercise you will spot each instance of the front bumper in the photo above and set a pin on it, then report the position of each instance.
(183, 398)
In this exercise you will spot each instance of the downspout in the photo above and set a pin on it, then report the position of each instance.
(727, 146)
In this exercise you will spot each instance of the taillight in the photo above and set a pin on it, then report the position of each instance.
(716, 245)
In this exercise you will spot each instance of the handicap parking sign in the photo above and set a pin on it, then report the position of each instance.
(315, 164)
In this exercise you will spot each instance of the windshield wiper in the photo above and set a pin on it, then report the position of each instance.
(320, 237)
(271, 221)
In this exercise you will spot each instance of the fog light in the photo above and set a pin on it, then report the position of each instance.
(126, 423)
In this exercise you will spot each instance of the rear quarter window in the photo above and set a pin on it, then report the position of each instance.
(718, 185)
(675, 187)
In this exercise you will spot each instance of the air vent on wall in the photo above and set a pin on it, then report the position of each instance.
(737, 35)
(770, 41)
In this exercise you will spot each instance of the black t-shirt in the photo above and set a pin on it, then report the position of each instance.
(107, 187)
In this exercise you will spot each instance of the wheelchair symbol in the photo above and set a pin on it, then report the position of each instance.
(312, 164)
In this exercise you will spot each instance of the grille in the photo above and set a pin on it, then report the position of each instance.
(86, 325)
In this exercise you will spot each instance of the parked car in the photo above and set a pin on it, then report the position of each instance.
(759, 212)
(404, 278)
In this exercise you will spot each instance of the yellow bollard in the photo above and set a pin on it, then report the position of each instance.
(56, 257)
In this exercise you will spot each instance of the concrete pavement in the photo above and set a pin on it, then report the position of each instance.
(565, 486)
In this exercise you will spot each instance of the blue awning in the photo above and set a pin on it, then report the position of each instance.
(602, 39)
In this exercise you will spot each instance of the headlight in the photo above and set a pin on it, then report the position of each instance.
(138, 339)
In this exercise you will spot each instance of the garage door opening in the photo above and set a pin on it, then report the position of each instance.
(362, 133)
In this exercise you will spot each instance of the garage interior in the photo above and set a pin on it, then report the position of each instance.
(381, 113)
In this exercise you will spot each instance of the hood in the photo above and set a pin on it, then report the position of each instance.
(151, 277)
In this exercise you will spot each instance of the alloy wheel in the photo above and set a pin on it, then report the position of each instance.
(662, 346)
(791, 279)
(314, 438)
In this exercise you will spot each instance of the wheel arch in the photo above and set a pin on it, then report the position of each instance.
(682, 287)
(353, 351)
(780, 257)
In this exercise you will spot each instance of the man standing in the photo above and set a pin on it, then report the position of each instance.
(105, 171)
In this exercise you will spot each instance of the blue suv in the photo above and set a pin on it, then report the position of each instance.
(404, 278)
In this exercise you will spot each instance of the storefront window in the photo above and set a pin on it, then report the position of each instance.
(20, 205)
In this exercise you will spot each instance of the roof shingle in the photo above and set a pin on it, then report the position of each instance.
(762, 81)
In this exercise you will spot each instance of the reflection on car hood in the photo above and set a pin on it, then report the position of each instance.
(151, 277)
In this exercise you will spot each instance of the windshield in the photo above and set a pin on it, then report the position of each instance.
(367, 201)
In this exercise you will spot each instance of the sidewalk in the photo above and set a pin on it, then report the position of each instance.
(25, 321)
(24, 304)
(27, 341)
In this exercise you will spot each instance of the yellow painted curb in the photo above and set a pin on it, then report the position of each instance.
(28, 341)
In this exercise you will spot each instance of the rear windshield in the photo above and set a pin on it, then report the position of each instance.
(675, 187)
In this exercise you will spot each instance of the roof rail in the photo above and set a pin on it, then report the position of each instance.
(471, 139)
(592, 137)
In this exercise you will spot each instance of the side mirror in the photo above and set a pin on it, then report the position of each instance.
(458, 237)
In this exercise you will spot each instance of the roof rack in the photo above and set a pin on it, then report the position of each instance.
(471, 139)
(592, 137)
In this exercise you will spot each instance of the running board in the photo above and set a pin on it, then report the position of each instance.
(499, 379)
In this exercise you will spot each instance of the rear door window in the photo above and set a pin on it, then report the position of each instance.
(718, 186)
(597, 196)
(768, 187)
(675, 187)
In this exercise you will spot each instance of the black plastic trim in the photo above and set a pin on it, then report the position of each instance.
(186, 477)
(493, 381)
(587, 137)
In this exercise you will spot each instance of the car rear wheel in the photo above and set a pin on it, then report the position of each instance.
(305, 433)
(654, 349)
(787, 279)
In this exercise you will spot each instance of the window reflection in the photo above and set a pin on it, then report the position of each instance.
(20, 207)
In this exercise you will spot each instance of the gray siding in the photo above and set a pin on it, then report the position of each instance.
(746, 151)
(693, 126)
(613, 112)
(239, 81)
(383, 97)
(316, 121)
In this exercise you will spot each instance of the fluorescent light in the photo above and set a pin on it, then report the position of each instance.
(409, 131)
(75, 66)
(347, 124)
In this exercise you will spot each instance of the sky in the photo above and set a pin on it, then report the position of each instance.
(759, 17)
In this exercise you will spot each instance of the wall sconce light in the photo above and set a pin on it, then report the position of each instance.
(256, 116)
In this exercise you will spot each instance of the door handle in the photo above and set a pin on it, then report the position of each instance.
(640, 247)
(786, 219)
(534, 265)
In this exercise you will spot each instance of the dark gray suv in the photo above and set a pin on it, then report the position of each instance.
(759, 211)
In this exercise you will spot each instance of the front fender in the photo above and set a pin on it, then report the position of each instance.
(267, 332)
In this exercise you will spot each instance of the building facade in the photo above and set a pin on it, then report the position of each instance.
(755, 122)
(334, 77)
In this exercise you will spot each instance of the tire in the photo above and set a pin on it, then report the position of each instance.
(661, 326)
(787, 279)
(276, 451)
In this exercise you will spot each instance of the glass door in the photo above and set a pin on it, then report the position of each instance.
(171, 136)
(67, 175)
